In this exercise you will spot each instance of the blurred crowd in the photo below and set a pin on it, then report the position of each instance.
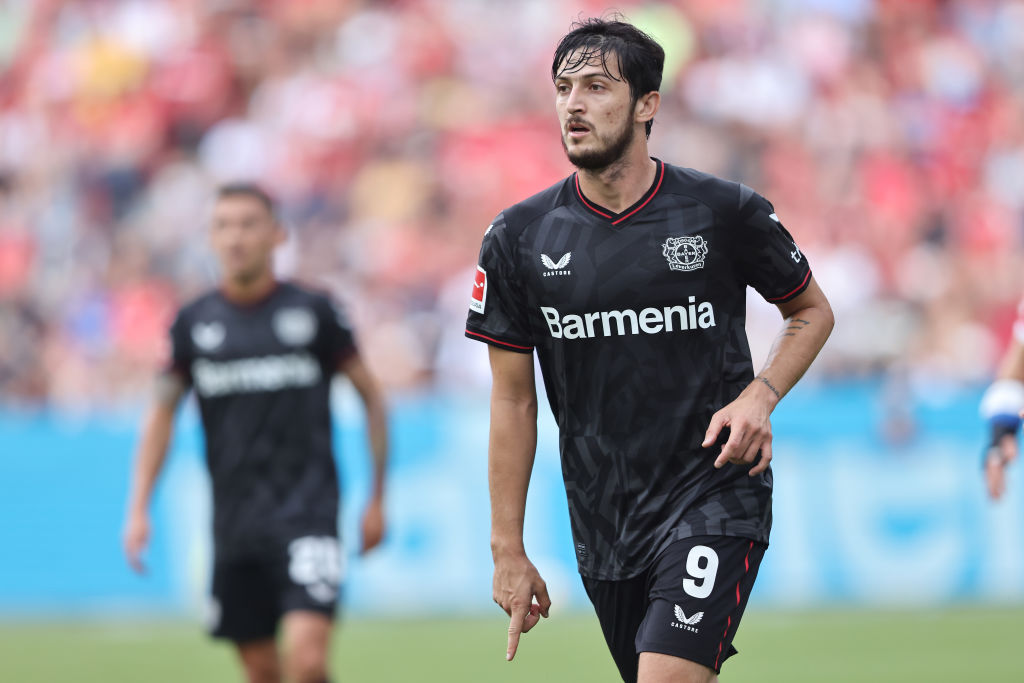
(889, 136)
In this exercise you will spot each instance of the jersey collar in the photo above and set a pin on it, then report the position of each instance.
(617, 218)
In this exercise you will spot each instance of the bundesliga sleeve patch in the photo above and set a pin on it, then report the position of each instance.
(479, 297)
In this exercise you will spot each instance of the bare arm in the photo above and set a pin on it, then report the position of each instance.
(513, 444)
(1004, 398)
(808, 321)
(152, 451)
(373, 524)
(1012, 365)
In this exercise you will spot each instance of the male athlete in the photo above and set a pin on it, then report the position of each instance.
(260, 355)
(1002, 406)
(629, 280)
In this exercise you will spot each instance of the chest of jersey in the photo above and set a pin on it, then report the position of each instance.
(245, 351)
(667, 271)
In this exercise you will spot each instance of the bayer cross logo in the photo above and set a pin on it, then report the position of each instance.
(685, 253)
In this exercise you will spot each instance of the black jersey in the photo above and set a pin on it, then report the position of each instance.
(638, 322)
(262, 376)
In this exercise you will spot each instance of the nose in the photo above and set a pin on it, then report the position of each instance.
(574, 102)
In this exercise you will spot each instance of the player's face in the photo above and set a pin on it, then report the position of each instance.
(595, 110)
(244, 234)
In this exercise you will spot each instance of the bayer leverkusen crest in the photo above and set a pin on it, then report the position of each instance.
(685, 253)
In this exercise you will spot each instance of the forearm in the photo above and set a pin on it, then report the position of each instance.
(513, 444)
(150, 457)
(377, 424)
(1012, 365)
(797, 345)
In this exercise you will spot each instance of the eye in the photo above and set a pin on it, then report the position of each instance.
(562, 88)
(596, 86)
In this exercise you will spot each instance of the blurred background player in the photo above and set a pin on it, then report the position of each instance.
(629, 278)
(260, 355)
(1002, 406)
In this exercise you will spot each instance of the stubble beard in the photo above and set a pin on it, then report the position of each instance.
(603, 157)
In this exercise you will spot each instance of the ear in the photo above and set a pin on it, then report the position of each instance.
(646, 107)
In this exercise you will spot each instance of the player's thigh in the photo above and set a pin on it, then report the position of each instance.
(655, 667)
(244, 601)
(260, 661)
(307, 637)
(620, 607)
(698, 591)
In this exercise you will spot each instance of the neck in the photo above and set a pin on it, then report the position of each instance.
(249, 290)
(623, 183)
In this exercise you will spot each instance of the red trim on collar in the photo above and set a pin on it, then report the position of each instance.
(616, 218)
(583, 199)
(657, 187)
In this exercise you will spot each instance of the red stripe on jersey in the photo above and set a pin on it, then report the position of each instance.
(656, 188)
(728, 623)
(498, 341)
(795, 290)
(584, 200)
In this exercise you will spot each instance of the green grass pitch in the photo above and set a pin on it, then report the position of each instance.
(838, 646)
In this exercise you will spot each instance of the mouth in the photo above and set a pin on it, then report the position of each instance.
(575, 129)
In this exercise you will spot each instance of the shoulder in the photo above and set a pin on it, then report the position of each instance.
(519, 216)
(324, 304)
(724, 197)
(301, 294)
(293, 290)
(200, 304)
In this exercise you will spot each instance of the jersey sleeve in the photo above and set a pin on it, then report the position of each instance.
(338, 341)
(180, 357)
(769, 259)
(497, 312)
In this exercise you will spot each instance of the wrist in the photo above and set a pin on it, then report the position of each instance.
(506, 548)
(763, 388)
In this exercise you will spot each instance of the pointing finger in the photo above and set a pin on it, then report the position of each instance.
(515, 627)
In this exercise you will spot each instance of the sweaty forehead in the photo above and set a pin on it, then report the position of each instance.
(588, 61)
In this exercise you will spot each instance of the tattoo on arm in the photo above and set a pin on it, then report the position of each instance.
(798, 320)
(770, 386)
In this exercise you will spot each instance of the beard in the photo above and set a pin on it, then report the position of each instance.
(604, 156)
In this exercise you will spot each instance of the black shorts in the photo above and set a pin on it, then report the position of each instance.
(687, 604)
(251, 592)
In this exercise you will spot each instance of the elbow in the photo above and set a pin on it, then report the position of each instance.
(523, 407)
(828, 318)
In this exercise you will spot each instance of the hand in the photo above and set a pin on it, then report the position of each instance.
(750, 429)
(372, 525)
(1000, 455)
(516, 583)
(136, 538)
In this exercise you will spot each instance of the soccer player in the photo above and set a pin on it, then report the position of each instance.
(260, 355)
(1002, 406)
(628, 278)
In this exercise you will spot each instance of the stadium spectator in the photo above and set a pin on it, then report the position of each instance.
(892, 132)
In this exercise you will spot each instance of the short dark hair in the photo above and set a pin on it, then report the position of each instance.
(640, 58)
(247, 189)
